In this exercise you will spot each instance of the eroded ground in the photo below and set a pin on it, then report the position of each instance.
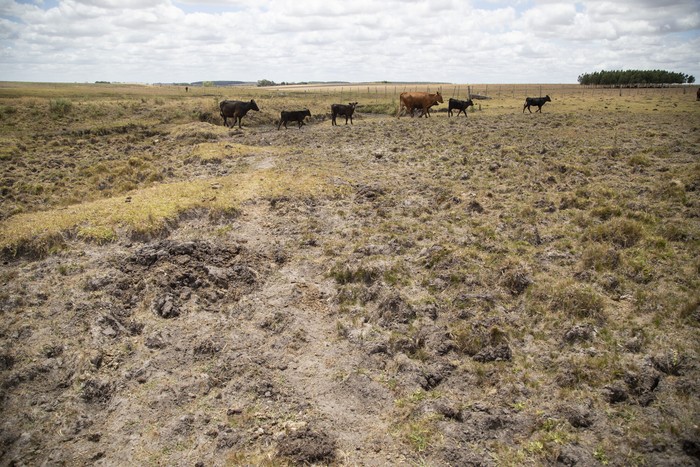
(504, 290)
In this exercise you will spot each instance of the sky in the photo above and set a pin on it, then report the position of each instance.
(453, 41)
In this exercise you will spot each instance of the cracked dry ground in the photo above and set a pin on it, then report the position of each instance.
(387, 322)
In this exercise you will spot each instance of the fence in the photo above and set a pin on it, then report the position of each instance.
(495, 91)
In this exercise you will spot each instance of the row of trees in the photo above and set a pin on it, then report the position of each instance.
(635, 77)
(267, 82)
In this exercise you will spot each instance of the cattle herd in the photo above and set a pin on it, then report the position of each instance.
(408, 102)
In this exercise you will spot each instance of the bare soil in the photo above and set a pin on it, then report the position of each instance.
(499, 290)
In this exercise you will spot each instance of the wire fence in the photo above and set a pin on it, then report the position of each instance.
(493, 91)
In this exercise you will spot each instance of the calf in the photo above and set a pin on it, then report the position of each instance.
(460, 105)
(293, 116)
(344, 111)
(538, 101)
(236, 110)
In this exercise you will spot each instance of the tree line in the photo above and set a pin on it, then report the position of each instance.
(635, 77)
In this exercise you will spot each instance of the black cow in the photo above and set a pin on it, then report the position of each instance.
(538, 101)
(698, 96)
(344, 111)
(293, 116)
(236, 110)
(460, 105)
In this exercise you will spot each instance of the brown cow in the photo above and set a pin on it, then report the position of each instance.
(418, 100)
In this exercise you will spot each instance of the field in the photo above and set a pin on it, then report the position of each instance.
(505, 289)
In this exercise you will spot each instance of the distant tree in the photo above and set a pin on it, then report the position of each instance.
(266, 82)
(632, 77)
(207, 84)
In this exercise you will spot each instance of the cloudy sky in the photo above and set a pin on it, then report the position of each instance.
(457, 41)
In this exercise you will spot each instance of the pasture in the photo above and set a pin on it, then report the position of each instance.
(501, 289)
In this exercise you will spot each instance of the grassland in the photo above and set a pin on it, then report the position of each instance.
(502, 289)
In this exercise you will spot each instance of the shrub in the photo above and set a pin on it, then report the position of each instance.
(60, 107)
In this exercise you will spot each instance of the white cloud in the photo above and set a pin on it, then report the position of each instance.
(294, 40)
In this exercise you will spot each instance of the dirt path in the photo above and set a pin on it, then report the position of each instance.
(324, 371)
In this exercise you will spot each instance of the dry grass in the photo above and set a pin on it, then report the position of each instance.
(146, 213)
(570, 238)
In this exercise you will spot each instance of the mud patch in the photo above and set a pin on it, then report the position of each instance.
(307, 447)
(178, 275)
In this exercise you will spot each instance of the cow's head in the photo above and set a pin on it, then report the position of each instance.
(546, 98)
(439, 97)
(307, 112)
(253, 105)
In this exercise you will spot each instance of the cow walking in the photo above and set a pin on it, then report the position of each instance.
(537, 101)
(418, 100)
(293, 116)
(344, 111)
(236, 110)
(459, 105)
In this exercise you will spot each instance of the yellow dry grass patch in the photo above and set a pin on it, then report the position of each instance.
(199, 129)
(224, 149)
(149, 211)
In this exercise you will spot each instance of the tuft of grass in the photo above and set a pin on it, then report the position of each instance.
(639, 160)
(570, 298)
(419, 434)
(671, 190)
(600, 257)
(516, 277)
(470, 339)
(618, 231)
(346, 274)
